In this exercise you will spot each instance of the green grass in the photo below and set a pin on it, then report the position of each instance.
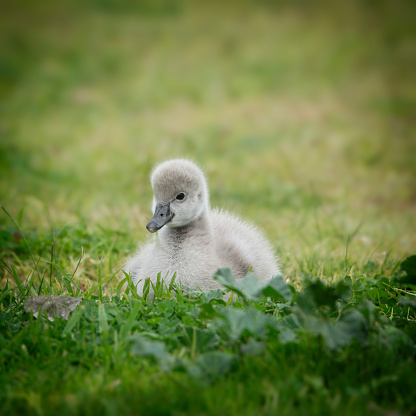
(344, 348)
(301, 114)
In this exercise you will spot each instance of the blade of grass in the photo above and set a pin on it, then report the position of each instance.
(100, 284)
(131, 287)
(194, 343)
(79, 261)
(64, 273)
(102, 319)
(107, 280)
(68, 286)
(73, 320)
(100, 291)
(172, 282)
(48, 289)
(24, 237)
(159, 288)
(41, 283)
(31, 277)
(6, 267)
(17, 280)
(5, 293)
(349, 239)
(10, 271)
(126, 327)
(120, 286)
(52, 253)
(62, 248)
(20, 215)
(146, 288)
(179, 293)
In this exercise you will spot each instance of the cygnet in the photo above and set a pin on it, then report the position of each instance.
(192, 240)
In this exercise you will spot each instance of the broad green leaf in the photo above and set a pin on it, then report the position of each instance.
(252, 288)
(278, 289)
(226, 279)
(148, 348)
(407, 302)
(207, 311)
(235, 321)
(213, 294)
(145, 347)
(214, 364)
(373, 293)
(409, 266)
(253, 348)
(317, 295)
(90, 309)
(367, 309)
(341, 333)
(287, 327)
(391, 337)
(166, 307)
(199, 339)
(383, 283)
(287, 335)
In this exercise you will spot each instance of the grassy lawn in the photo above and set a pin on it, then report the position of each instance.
(302, 116)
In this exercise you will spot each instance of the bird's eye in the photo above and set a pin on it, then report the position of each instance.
(180, 196)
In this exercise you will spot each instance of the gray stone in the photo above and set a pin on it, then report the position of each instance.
(54, 306)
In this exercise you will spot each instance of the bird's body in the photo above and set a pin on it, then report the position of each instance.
(196, 240)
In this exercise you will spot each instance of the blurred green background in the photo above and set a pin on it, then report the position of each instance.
(302, 114)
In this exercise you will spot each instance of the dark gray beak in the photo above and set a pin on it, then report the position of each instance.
(161, 217)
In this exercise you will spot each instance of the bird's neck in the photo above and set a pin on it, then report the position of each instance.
(200, 227)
